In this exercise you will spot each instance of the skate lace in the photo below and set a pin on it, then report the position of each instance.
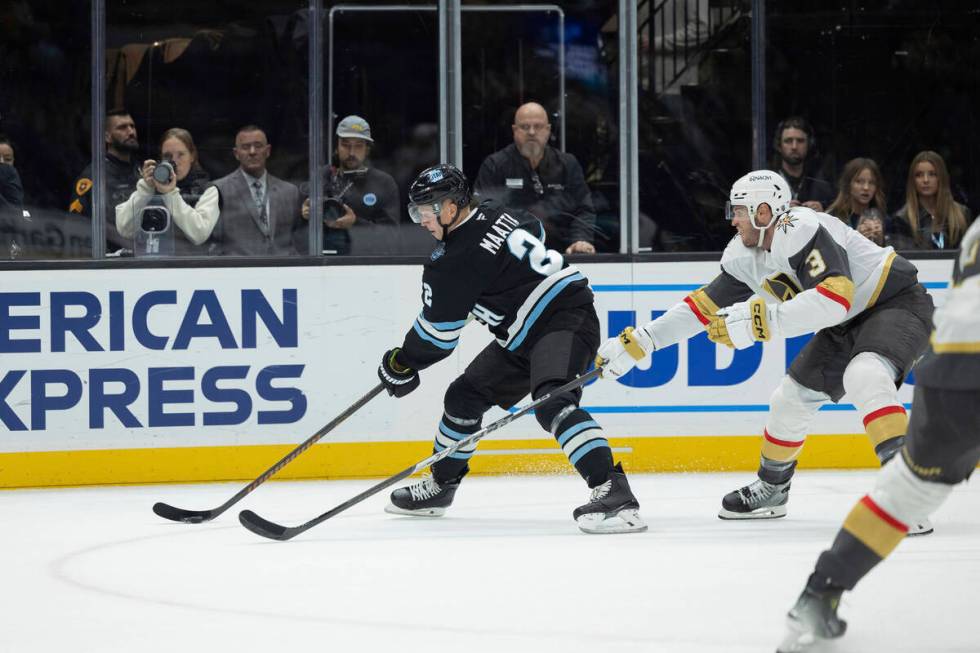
(424, 489)
(758, 492)
(599, 492)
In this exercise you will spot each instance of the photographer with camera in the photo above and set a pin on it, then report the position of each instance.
(170, 212)
(358, 196)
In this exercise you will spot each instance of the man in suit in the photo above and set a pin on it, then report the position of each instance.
(259, 214)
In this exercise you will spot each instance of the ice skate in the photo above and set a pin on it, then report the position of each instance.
(612, 508)
(424, 498)
(758, 500)
(812, 619)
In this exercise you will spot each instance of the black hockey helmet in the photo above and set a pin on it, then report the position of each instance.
(435, 184)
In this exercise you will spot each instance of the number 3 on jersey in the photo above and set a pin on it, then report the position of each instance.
(542, 260)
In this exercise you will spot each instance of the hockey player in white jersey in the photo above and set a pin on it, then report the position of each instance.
(788, 272)
(941, 450)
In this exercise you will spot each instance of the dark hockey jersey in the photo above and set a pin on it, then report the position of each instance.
(497, 270)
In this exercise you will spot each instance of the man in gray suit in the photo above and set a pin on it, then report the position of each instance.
(260, 215)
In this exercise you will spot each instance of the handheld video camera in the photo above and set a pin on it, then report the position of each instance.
(164, 171)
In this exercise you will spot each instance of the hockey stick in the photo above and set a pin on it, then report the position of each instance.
(273, 531)
(197, 516)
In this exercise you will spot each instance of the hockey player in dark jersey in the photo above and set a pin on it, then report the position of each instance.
(942, 449)
(490, 266)
(792, 271)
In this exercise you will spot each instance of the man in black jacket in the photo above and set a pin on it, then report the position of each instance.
(122, 171)
(532, 176)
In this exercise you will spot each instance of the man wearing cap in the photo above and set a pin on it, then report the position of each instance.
(369, 196)
(532, 176)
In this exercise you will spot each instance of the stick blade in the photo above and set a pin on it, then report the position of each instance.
(179, 514)
(262, 526)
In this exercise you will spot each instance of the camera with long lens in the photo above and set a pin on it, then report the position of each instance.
(164, 171)
(337, 186)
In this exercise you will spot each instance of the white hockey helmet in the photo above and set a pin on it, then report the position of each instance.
(759, 187)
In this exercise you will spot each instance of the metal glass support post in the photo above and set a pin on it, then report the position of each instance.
(315, 102)
(629, 200)
(759, 140)
(98, 129)
(450, 83)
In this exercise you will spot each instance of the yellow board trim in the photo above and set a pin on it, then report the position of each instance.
(380, 459)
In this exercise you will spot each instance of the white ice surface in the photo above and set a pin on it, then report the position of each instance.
(506, 570)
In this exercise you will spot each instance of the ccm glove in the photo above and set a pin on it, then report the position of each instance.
(618, 355)
(398, 380)
(743, 324)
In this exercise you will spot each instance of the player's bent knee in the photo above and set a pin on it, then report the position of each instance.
(904, 495)
(792, 406)
(464, 400)
(869, 374)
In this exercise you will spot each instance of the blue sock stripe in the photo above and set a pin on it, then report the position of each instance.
(586, 448)
(570, 432)
(452, 433)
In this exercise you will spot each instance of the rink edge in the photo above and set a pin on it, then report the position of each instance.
(380, 459)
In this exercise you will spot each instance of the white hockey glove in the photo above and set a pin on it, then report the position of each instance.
(743, 324)
(618, 355)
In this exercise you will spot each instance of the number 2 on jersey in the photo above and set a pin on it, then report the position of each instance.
(542, 260)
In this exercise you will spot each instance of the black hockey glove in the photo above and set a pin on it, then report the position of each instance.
(398, 380)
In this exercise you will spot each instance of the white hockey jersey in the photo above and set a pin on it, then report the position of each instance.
(955, 358)
(819, 270)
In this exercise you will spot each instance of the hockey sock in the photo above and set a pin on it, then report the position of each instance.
(869, 534)
(585, 444)
(776, 472)
(886, 429)
(452, 429)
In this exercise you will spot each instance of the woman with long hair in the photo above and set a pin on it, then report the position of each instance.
(193, 220)
(931, 218)
(860, 199)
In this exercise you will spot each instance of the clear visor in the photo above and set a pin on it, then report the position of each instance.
(733, 211)
(419, 211)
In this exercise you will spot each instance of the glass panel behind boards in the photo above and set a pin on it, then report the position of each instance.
(862, 96)
(540, 116)
(217, 93)
(695, 120)
(45, 57)
(382, 75)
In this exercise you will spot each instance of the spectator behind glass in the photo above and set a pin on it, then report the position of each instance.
(931, 218)
(531, 175)
(794, 145)
(260, 213)
(122, 172)
(193, 213)
(12, 215)
(368, 196)
(860, 199)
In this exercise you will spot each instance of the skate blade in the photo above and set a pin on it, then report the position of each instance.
(771, 512)
(601, 523)
(424, 512)
(924, 528)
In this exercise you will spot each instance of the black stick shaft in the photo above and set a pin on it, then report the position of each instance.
(175, 513)
(261, 526)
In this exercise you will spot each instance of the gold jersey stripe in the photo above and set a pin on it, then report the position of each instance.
(885, 271)
(874, 528)
(705, 304)
(956, 347)
(842, 287)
